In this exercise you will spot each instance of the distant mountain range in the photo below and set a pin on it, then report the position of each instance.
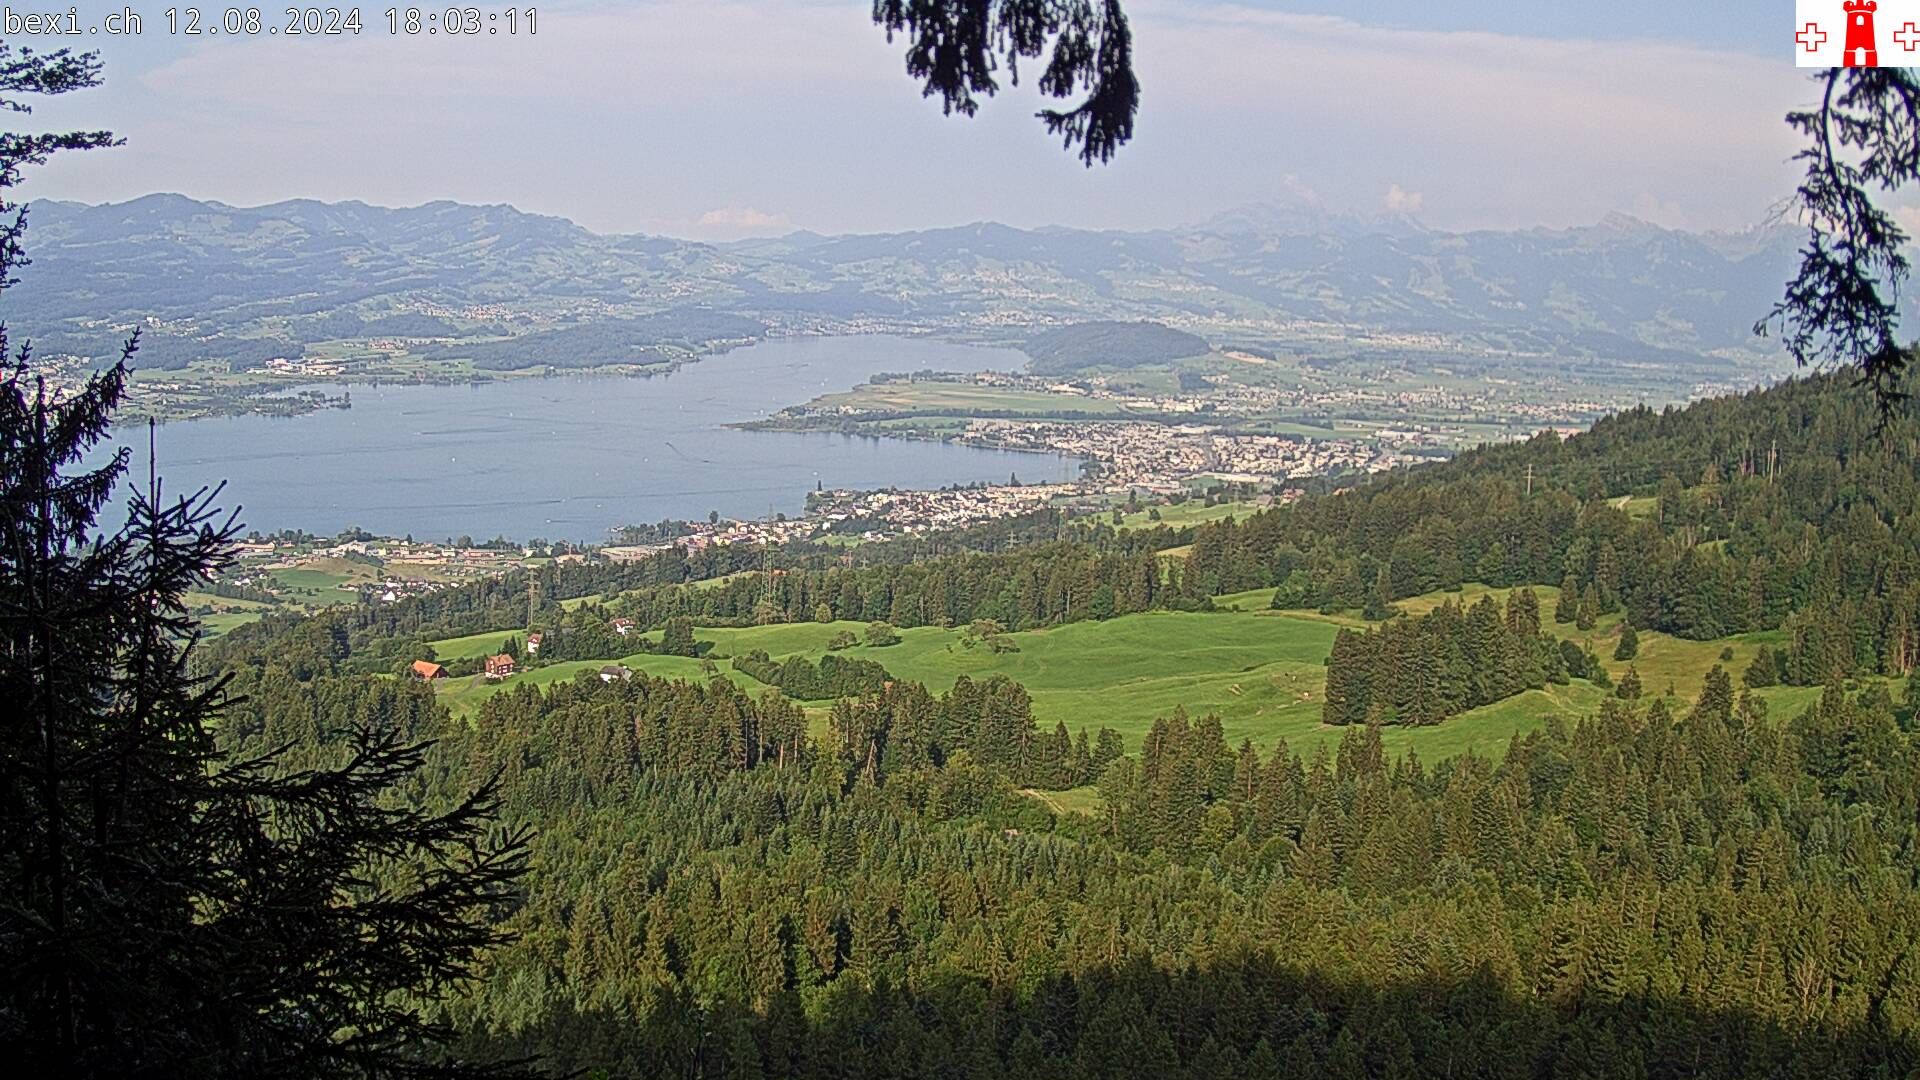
(244, 284)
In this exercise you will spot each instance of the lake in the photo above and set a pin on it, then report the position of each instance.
(571, 457)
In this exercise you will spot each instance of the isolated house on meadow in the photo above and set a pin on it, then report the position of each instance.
(615, 671)
(499, 667)
(533, 644)
(428, 671)
(623, 626)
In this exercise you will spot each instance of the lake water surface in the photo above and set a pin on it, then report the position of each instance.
(571, 457)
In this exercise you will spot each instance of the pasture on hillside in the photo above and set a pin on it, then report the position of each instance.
(1261, 671)
(464, 694)
(1191, 512)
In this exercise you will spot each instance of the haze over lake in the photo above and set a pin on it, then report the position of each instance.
(571, 457)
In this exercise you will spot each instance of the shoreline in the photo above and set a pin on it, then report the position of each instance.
(259, 391)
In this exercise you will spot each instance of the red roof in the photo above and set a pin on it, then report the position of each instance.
(427, 669)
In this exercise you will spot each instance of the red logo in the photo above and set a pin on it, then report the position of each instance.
(1860, 51)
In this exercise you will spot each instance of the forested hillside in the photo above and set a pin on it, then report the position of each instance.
(1788, 510)
(725, 885)
(1724, 894)
(1109, 344)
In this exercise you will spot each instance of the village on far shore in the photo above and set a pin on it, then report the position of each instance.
(297, 570)
(1132, 474)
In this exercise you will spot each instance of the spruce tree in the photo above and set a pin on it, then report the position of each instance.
(1588, 609)
(1566, 606)
(1716, 695)
(1379, 605)
(1629, 646)
(1629, 685)
(164, 910)
(676, 639)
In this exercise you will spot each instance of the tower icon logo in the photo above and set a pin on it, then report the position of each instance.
(1860, 51)
(1851, 33)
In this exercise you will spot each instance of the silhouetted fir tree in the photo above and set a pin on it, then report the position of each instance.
(166, 910)
(957, 48)
(1841, 307)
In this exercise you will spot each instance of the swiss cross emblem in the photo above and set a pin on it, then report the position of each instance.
(1811, 37)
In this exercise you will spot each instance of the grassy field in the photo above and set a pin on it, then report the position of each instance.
(227, 613)
(603, 598)
(426, 571)
(221, 622)
(1638, 506)
(1261, 671)
(195, 598)
(966, 397)
(320, 582)
(463, 695)
(1080, 800)
(1191, 512)
(486, 644)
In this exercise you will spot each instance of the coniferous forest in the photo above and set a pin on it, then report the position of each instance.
(1652, 891)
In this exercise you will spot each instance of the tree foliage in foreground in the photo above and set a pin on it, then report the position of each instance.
(1841, 308)
(165, 909)
(957, 47)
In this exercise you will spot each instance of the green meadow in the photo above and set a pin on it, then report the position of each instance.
(227, 612)
(965, 397)
(486, 644)
(463, 695)
(221, 622)
(319, 583)
(1261, 671)
(1191, 512)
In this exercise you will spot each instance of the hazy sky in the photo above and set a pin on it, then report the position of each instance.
(719, 118)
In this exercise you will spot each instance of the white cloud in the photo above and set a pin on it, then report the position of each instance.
(1401, 201)
(1298, 190)
(654, 114)
(742, 221)
(1503, 129)
(1666, 212)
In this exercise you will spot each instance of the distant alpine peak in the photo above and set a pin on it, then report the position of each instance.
(1621, 221)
